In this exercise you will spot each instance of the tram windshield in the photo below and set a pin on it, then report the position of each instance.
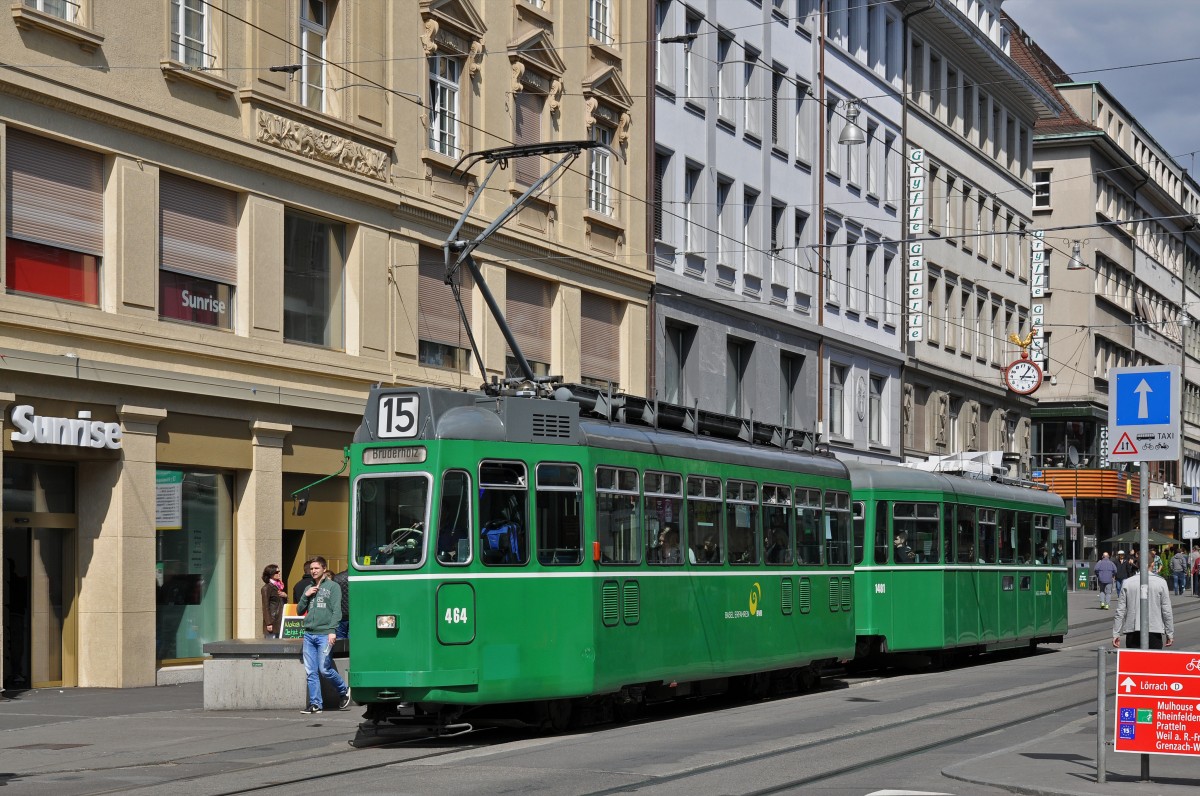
(390, 518)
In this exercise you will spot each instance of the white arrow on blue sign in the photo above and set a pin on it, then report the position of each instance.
(1143, 413)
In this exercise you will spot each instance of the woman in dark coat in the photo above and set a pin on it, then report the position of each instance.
(274, 597)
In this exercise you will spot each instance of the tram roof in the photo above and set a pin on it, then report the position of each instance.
(905, 479)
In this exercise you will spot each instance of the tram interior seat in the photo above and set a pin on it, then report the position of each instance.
(500, 542)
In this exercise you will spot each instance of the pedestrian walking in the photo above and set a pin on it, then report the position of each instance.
(1106, 573)
(1195, 573)
(1179, 570)
(1123, 570)
(322, 609)
(1127, 619)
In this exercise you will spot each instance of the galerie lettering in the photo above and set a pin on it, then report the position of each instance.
(81, 431)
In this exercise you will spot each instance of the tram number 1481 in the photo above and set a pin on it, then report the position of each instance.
(456, 616)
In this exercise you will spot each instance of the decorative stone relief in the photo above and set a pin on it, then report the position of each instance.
(325, 147)
(623, 130)
(589, 107)
(556, 92)
(427, 43)
(475, 58)
(518, 69)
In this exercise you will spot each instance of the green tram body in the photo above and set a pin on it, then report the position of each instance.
(987, 574)
(482, 632)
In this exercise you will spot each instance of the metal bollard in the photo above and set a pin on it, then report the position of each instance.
(1101, 709)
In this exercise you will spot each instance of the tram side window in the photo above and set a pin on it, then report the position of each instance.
(918, 533)
(1007, 526)
(503, 508)
(965, 527)
(777, 524)
(837, 528)
(809, 524)
(704, 519)
(559, 495)
(881, 532)
(1058, 532)
(1042, 539)
(860, 529)
(1024, 537)
(987, 536)
(389, 520)
(454, 519)
(741, 520)
(663, 506)
(617, 526)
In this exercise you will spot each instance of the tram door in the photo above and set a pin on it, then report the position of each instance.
(39, 575)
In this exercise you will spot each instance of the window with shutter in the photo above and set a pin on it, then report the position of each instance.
(198, 241)
(54, 218)
(600, 340)
(442, 338)
(528, 130)
(527, 306)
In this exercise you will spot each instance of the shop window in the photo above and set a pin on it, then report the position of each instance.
(313, 266)
(194, 563)
(55, 219)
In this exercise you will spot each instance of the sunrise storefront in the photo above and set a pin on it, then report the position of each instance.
(133, 533)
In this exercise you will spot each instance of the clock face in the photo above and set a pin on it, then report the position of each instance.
(1023, 376)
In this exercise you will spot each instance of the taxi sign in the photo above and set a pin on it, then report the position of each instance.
(1143, 414)
(1158, 702)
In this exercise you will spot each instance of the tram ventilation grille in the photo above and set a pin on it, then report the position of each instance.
(610, 599)
(805, 595)
(846, 593)
(785, 597)
(552, 426)
(631, 602)
(835, 595)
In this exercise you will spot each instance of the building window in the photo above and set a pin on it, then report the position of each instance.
(444, 74)
(875, 410)
(837, 400)
(63, 9)
(314, 30)
(751, 88)
(313, 267)
(439, 324)
(600, 178)
(600, 25)
(724, 222)
(790, 366)
(693, 62)
(55, 215)
(194, 565)
(189, 33)
(675, 355)
(776, 99)
(527, 129)
(804, 123)
(661, 161)
(528, 302)
(693, 213)
(198, 245)
(736, 367)
(725, 77)
(751, 240)
(599, 340)
(1041, 188)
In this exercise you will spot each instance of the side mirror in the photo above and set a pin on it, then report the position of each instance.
(300, 503)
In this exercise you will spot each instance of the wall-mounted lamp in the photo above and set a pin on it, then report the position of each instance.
(852, 133)
(1075, 263)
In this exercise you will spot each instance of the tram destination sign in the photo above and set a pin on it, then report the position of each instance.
(1143, 414)
(1158, 702)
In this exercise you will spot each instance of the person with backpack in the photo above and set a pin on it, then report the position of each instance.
(1179, 570)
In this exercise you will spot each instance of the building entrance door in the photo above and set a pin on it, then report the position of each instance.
(39, 602)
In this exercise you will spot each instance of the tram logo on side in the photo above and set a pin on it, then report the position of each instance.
(755, 599)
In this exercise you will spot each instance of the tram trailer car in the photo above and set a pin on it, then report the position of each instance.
(954, 563)
(503, 550)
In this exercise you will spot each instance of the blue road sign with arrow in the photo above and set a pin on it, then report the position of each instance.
(1143, 413)
(1143, 399)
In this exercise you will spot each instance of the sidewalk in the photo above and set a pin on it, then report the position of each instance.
(85, 733)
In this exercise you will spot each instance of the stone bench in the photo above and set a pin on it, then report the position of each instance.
(263, 674)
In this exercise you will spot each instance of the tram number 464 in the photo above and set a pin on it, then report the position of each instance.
(455, 616)
(398, 416)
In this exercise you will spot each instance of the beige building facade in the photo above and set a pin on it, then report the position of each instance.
(223, 222)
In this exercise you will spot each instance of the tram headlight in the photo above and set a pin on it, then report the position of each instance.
(385, 622)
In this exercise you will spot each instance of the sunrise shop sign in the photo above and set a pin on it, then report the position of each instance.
(79, 432)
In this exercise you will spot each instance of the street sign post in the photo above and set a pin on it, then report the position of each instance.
(1158, 702)
(1143, 414)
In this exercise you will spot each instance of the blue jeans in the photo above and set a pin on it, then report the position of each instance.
(318, 664)
(1180, 580)
(343, 629)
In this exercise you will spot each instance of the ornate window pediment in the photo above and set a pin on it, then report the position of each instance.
(453, 27)
(608, 101)
(537, 67)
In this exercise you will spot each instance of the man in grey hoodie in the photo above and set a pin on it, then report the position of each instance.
(321, 605)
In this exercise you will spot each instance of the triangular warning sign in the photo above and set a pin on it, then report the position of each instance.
(1125, 446)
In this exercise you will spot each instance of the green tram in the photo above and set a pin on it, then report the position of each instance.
(507, 552)
(946, 562)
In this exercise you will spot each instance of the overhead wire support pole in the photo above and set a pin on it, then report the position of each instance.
(454, 245)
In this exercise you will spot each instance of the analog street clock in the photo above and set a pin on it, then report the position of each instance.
(1023, 376)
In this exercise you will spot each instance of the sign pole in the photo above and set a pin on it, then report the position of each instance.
(1144, 576)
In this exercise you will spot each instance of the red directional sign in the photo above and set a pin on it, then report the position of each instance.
(1158, 702)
